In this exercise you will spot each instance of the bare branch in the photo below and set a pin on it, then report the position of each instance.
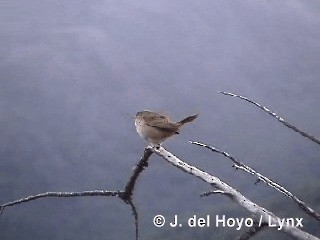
(266, 216)
(280, 119)
(268, 181)
(125, 195)
(61, 195)
(143, 163)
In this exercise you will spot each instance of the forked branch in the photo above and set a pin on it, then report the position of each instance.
(240, 165)
(125, 195)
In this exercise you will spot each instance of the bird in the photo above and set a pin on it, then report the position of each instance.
(155, 128)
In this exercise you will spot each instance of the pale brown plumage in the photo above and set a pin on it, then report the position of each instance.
(155, 127)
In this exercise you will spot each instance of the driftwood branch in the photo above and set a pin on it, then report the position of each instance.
(273, 114)
(265, 216)
(240, 165)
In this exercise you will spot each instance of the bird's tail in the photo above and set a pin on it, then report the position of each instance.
(188, 119)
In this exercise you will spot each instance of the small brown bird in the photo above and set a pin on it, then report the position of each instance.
(155, 127)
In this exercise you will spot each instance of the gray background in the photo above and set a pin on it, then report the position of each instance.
(73, 72)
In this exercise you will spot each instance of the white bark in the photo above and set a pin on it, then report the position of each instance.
(260, 212)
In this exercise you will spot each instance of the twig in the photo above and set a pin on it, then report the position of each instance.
(266, 216)
(268, 181)
(135, 214)
(61, 195)
(280, 119)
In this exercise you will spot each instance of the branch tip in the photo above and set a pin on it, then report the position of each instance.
(273, 114)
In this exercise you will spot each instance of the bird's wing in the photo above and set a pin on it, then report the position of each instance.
(164, 127)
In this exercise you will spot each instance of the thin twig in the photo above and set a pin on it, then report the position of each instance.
(268, 181)
(273, 114)
(135, 214)
(61, 195)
